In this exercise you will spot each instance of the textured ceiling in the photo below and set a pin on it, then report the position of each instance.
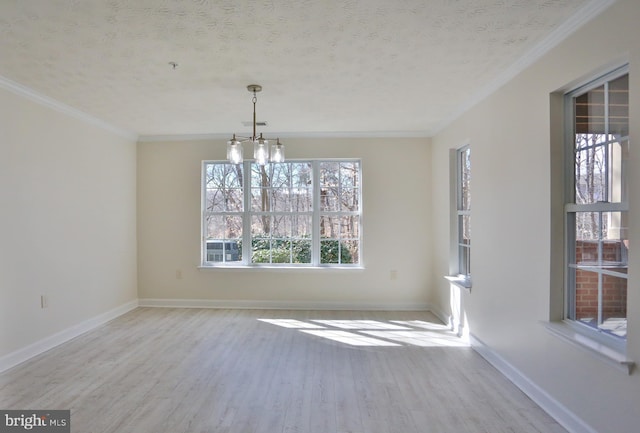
(326, 66)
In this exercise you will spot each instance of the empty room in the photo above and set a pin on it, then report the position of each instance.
(362, 216)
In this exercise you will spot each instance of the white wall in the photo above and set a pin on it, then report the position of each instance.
(67, 224)
(396, 231)
(510, 137)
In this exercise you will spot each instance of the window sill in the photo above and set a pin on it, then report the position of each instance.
(462, 281)
(577, 337)
(279, 268)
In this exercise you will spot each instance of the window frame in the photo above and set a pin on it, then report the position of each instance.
(459, 262)
(248, 213)
(571, 208)
(462, 211)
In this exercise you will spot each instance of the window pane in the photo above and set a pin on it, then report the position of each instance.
(464, 259)
(586, 296)
(223, 227)
(349, 174)
(329, 200)
(601, 240)
(464, 229)
(619, 106)
(619, 156)
(329, 174)
(589, 111)
(301, 226)
(601, 302)
(223, 251)
(349, 199)
(465, 179)
(350, 227)
(614, 305)
(591, 168)
(329, 226)
(260, 200)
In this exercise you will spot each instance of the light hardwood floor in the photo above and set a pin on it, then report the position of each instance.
(159, 370)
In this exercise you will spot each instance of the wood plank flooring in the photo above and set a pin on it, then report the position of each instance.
(204, 370)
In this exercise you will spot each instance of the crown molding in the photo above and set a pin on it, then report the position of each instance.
(58, 106)
(591, 10)
(284, 135)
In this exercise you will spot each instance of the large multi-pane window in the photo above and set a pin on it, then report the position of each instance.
(463, 193)
(596, 207)
(301, 213)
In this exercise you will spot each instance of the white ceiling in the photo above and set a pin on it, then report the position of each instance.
(328, 67)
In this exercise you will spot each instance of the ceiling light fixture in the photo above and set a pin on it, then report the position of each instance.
(261, 153)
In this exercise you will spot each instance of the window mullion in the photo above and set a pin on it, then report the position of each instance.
(315, 220)
(246, 214)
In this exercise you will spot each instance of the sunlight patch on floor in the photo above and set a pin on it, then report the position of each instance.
(350, 338)
(377, 333)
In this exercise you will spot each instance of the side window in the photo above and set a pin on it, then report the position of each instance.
(463, 198)
(596, 205)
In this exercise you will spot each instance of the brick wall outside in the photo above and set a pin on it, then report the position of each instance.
(614, 289)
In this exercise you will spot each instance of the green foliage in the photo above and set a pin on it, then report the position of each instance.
(331, 251)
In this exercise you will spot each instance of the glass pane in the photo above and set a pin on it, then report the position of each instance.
(329, 226)
(223, 227)
(601, 302)
(301, 251)
(349, 174)
(602, 240)
(329, 200)
(350, 227)
(464, 229)
(224, 251)
(618, 157)
(465, 179)
(301, 199)
(350, 253)
(329, 174)
(586, 297)
(260, 175)
(214, 200)
(301, 175)
(349, 200)
(619, 106)
(260, 200)
(260, 226)
(591, 168)
(464, 259)
(614, 305)
(329, 251)
(281, 226)
(589, 109)
(301, 226)
(280, 199)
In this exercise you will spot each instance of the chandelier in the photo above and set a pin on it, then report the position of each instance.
(261, 151)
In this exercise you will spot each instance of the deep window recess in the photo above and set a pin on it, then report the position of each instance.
(297, 213)
(596, 206)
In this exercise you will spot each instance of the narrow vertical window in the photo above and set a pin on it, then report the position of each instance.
(339, 212)
(596, 207)
(463, 186)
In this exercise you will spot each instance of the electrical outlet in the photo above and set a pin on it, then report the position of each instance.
(44, 302)
(393, 274)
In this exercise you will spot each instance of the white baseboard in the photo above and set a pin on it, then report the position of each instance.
(553, 407)
(14, 358)
(282, 305)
